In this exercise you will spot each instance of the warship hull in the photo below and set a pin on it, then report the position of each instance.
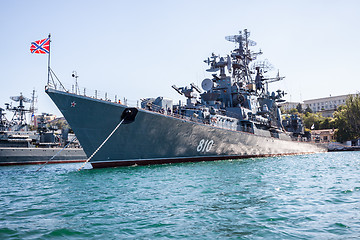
(24, 156)
(155, 138)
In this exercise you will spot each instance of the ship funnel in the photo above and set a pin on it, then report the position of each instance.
(129, 115)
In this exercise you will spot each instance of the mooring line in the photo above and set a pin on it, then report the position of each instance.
(87, 160)
(56, 153)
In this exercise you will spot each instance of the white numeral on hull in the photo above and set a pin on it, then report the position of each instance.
(205, 146)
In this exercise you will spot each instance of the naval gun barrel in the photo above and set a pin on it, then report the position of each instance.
(195, 87)
(177, 89)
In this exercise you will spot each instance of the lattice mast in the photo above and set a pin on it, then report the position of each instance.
(241, 58)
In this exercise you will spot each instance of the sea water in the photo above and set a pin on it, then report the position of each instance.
(295, 197)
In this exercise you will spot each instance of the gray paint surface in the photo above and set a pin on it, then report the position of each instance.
(16, 156)
(157, 136)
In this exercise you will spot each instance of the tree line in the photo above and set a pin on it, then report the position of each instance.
(346, 120)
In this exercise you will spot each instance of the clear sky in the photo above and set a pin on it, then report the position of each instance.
(138, 49)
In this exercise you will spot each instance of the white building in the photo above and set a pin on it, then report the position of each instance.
(327, 105)
(286, 106)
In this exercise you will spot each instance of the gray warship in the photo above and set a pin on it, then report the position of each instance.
(19, 145)
(235, 116)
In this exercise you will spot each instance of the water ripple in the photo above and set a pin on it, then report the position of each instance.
(295, 197)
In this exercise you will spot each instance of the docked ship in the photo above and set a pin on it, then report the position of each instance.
(234, 116)
(19, 145)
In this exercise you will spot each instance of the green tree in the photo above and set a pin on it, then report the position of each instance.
(293, 111)
(308, 110)
(347, 119)
(327, 123)
(299, 108)
(59, 123)
(282, 110)
(311, 119)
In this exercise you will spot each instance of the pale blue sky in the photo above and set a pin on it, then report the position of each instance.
(139, 49)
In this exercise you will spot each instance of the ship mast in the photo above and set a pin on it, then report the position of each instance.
(241, 58)
(19, 117)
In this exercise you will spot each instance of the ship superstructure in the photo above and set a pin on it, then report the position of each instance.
(237, 95)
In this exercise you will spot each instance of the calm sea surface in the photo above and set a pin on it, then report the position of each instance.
(297, 197)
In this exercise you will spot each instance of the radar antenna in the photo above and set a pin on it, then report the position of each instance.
(241, 38)
(21, 99)
(234, 38)
(19, 118)
(265, 65)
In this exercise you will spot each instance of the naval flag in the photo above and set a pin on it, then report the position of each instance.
(41, 46)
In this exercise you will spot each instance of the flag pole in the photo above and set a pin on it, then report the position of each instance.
(49, 61)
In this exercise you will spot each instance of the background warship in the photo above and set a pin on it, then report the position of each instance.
(234, 117)
(20, 145)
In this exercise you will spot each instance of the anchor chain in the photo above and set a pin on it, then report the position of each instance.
(56, 154)
(92, 155)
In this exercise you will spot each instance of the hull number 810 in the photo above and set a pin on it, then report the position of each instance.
(205, 146)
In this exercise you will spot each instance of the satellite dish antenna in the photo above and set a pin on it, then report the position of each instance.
(207, 84)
